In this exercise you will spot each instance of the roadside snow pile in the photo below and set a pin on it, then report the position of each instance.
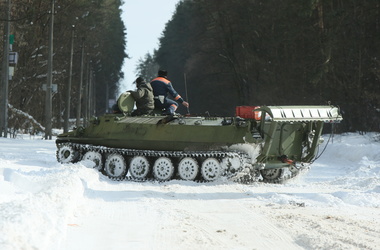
(36, 201)
(356, 161)
(37, 195)
(350, 165)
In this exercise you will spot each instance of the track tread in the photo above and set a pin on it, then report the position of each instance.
(237, 175)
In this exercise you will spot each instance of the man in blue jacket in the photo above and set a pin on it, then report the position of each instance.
(161, 87)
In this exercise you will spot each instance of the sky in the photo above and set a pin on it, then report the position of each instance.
(144, 21)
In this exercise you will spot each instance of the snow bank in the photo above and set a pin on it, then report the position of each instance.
(351, 167)
(37, 196)
(39, 202)
(353, 161)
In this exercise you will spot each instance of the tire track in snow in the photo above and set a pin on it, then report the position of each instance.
(222, 224)
(328, 228)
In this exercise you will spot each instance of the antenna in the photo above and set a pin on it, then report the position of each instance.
(187, 98)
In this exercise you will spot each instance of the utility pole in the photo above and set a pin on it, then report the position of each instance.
(93, 93)
(91, 97)
(79, 106)
(5, 75)
(68, 89)
(48, 104)
(86, 95)
(107, 97)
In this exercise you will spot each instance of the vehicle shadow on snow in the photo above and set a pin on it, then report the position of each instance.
(187, 190)
(168, 191)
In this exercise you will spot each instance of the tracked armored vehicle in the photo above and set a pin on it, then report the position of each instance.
(269, 143)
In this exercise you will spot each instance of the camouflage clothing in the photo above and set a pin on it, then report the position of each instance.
(144, 99)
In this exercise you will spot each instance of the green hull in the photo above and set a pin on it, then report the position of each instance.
(143, 133)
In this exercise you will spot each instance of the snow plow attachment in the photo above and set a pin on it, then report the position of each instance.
(290, 135)
(327, 114)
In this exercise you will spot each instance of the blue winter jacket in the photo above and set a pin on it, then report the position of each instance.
(162, 86)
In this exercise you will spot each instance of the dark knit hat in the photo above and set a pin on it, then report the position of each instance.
(139, 80)
(162, 73)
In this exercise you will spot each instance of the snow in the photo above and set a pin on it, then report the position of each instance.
(48, 205)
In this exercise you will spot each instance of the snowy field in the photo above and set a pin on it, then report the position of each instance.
(47, 205)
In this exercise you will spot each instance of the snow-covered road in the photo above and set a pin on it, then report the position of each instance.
(47, 205)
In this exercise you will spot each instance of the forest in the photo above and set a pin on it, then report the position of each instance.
(219, 55)
(222, 54)
(98, 36)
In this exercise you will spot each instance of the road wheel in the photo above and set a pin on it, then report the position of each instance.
(67, 154)
(115, 166)
(211, 169)
(274, 175)
(95, 157)
(163, 169)
(139, 167)
(188, 169)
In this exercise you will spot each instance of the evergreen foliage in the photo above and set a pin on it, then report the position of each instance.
(97, 25)
(147, 68)
(276, 52)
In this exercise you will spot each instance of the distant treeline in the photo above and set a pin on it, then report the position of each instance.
(275, 52)
(96, 25)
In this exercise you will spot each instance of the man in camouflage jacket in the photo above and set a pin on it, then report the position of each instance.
(143, 97)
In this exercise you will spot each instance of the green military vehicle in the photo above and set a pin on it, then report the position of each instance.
(268, 143)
